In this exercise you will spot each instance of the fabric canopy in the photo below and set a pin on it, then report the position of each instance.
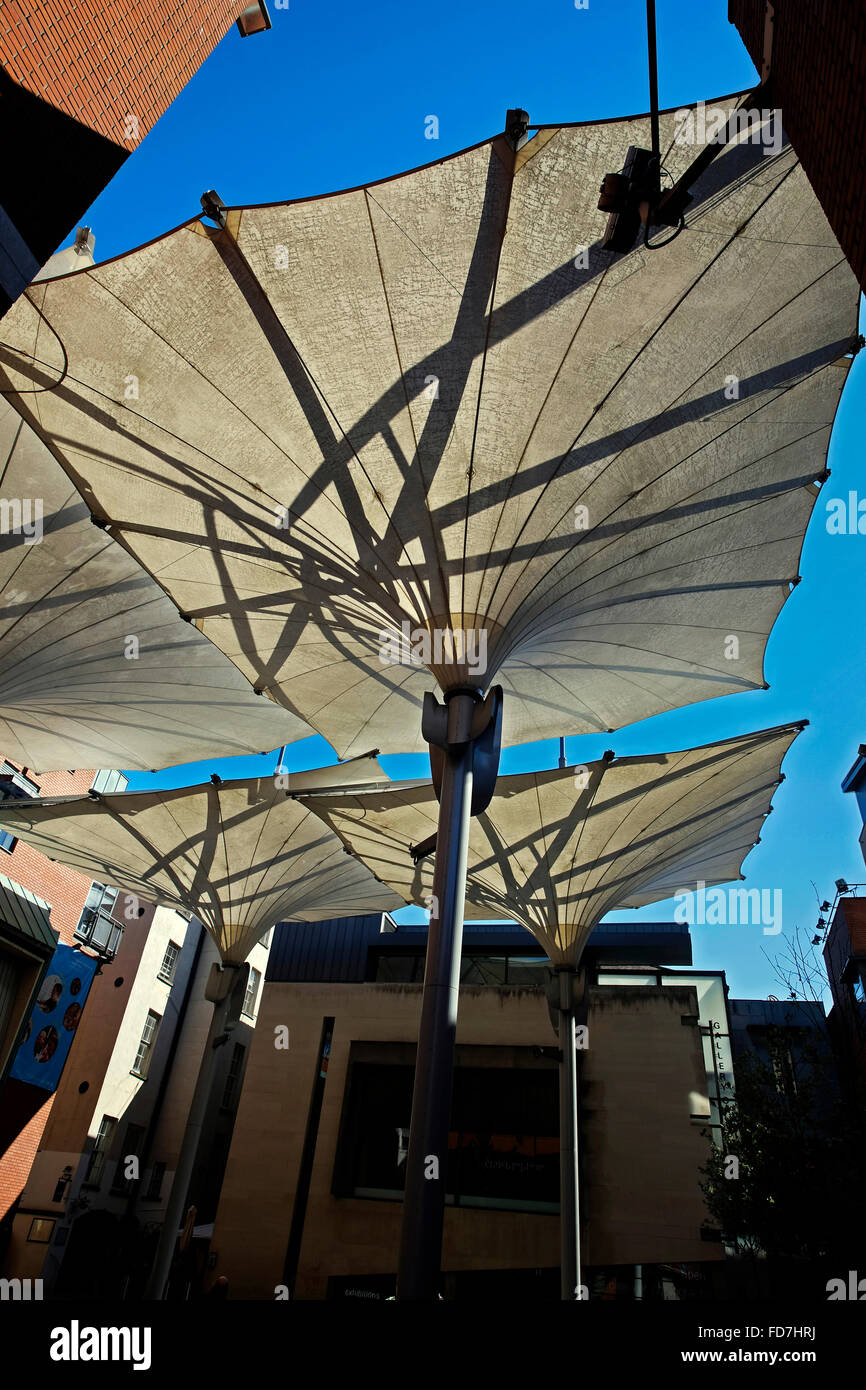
(557, 850)
(428, 428)
(96, 667)
(240, 855)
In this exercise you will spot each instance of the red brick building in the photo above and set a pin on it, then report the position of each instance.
(81, 84)
(24, 1110)
(815, 54)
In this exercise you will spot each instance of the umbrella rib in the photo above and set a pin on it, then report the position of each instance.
(278, 339)
(488, 326)
(622, 887)
(189, 894)
(34, 663)
(595, 413)
(402, 229)
(533, 624)
(602, 724)
(219, 462)
(634, 810)
(681, 502)
(679, 463)
(279, 851)
(12, 447)
(583, 825)
(595, 291)
(724, 764)
(437, 557)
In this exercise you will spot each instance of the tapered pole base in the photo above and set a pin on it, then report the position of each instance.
(464, 738)
(427, 1157)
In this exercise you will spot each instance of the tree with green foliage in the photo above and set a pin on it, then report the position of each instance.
(786, 1181)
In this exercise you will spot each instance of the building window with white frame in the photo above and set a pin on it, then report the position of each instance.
(252, 992)
(97, 927)
(146, 1045)
(169, 961)
(14, 786)
(98, 1153)
(236, 1066)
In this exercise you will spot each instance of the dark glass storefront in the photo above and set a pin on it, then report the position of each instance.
(503, 1149)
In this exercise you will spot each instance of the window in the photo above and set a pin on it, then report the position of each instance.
(233, 1079)
(109, 781)
(503, 1146)
(13, 785)
(859, 992)
(41, 1230)
(101, 1145)
(482, 970)
(401, 968)
(782, 1062)
(154, 1187)
(632, 977)
(145, 1047)
(527, 970)
(406, 967)
(169, 961)
(62, 1183)
(252, 992)
(131, 1148)
(266, 939)
(97, 927)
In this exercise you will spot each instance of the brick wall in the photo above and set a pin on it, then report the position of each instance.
(101, 63)
(27, 1109)
(818, 74)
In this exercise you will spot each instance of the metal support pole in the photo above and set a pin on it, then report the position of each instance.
(569, 1201)
(176, 1208)
(427, 1157)
(653, 81)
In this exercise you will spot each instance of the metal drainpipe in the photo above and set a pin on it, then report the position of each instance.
(569, 1199)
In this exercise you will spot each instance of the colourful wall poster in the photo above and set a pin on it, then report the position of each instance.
(51, 1027)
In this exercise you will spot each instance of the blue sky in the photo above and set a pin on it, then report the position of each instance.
(336, 95)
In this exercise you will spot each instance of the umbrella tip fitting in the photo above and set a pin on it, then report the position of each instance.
(213, 207)
(516, 127)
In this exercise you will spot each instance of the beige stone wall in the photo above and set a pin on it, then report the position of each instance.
(643, 1078)
(642, 1152)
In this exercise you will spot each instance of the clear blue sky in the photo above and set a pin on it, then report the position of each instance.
(337, 95)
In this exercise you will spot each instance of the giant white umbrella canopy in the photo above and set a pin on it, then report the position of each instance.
(96, 667)
(558, 849)
(428, 430)
(363, 424)
(239, 855)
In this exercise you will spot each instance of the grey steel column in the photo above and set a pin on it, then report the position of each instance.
(569, 1201)
(427, 1157)
(176, 1209)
